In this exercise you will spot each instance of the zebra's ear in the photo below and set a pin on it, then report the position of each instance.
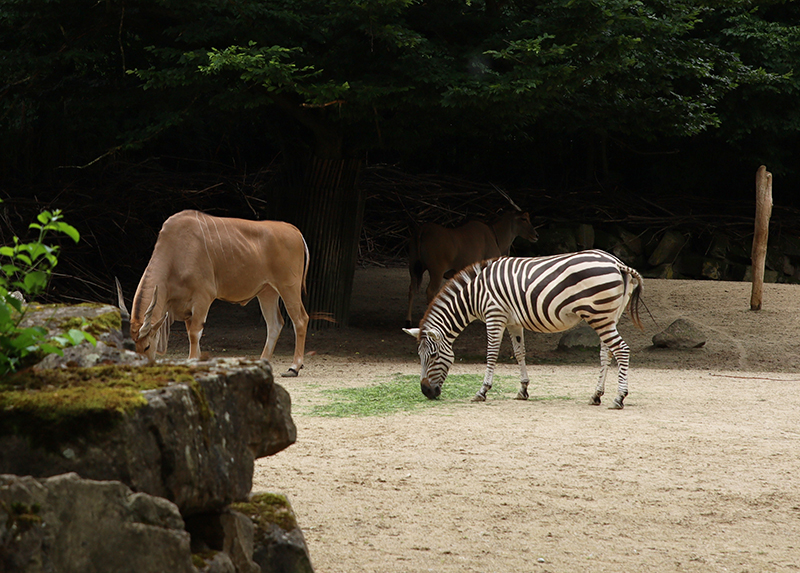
(412, 332)
(433, 335)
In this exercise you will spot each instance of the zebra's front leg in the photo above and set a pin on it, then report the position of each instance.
(517, 335)
(605, 360)
(494, 334)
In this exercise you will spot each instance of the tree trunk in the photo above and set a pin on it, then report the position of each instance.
(328, 207)
(759, 252)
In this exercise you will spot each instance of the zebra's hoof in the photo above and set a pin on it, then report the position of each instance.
(617, 405)
(479, 398)
(595, 400)
(521, 395)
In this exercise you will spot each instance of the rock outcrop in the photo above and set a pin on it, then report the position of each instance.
(193, 443)
(129, 467)
(71, 525)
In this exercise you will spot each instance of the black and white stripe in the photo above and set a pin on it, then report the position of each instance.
(543, 294)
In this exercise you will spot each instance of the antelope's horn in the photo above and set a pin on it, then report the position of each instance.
(123, 311)
(509, 199)
(147, 323)
(124, 317)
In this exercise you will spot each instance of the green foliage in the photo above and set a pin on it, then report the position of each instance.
(402, 394)
(394, 74)
(26, 268)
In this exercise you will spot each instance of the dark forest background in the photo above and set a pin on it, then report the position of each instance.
(353, 116)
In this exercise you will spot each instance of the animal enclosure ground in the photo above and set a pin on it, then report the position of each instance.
(700, 471)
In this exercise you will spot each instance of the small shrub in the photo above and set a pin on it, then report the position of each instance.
(26, 268)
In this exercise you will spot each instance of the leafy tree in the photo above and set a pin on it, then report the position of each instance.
(343, 77)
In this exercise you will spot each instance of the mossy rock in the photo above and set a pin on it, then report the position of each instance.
(96, 319)
(45, 404)
(268, 508)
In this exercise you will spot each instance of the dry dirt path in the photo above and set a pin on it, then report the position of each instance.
(700, 471)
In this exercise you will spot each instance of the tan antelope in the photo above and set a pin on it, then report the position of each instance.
(443, 252)
(198, 259)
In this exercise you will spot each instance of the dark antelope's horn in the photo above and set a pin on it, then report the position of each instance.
(504, 194)
(124, 315)
(147, 322)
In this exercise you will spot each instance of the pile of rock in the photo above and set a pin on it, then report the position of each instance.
(671, 253)
(162, 483)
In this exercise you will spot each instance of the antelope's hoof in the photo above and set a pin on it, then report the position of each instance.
(521, 395)
(291, 373)
(479, 398)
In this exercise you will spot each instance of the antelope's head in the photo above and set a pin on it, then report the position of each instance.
(436, 357)
(145, 335)
(523, 227)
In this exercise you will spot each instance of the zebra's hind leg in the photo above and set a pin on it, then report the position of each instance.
(518, 343)
(605, 360)
(622, 356)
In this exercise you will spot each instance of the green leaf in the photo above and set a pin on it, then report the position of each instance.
(35, 281)
(68, 230)
(48, 348)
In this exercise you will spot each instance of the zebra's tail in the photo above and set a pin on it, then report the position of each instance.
(636, 295)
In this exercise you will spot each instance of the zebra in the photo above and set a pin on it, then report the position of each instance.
(542, 294)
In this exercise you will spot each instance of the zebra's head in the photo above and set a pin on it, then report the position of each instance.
(436, 357)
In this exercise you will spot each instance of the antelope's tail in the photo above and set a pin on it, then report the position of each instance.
(326, 316)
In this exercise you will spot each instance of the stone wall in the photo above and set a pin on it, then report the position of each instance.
(148, 486)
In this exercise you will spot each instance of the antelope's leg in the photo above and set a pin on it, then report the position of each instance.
(293, 299)
(517, 335)
(436, 276)
(605, 360)
(413, 287)
(268, 301)
(195, 325)
(494, 335)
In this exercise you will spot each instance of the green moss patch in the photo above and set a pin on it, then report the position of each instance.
(266, 508)
(201, 559)
(23, 517)
(95, 326)
(49, 405)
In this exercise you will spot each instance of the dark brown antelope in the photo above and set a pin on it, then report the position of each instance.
(198, 259)
(443, 252)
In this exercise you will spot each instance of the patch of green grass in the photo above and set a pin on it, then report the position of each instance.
(402, 394)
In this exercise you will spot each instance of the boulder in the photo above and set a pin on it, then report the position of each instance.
(663, 271)
(193, 440)
(584, 237)
(668, 248)
(72, 525)
(555, 240)
(279, 545)
(582, 336)
(680, 334)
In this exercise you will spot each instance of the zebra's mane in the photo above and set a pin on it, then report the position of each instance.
(456, 284)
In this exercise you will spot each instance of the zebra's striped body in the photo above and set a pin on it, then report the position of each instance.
(543, 294)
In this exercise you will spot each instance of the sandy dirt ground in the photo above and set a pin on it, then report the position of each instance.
(700, 471)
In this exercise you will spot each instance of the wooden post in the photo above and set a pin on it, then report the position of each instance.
(759, 252)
